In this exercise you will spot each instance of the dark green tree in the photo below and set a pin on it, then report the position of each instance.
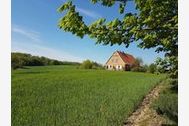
(19, 60)
(16, 61)
(152, 68)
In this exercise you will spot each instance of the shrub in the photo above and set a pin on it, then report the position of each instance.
(87, 64)
(138, 69)
(152, 68)
(138, 66)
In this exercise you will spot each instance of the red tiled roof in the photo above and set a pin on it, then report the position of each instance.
(127, 58)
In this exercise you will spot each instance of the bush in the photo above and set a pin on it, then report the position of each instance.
(87, 64)
(152, 68)
(138, 69)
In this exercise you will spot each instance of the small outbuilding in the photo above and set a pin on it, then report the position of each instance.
(120, 61)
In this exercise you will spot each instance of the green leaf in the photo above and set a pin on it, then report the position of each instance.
(122, 7)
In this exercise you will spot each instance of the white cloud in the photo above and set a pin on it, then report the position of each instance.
(41, 50)
(33, 35)
(34, 45)
(89, 13)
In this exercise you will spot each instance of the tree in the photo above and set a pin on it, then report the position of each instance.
(166, 66)
(154, 26)
(97, 65)
(87, 64)
(138, 65)
(152, 68)
(146, 67)
(138, 62)
(16, 61)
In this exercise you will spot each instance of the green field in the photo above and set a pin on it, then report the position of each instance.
(66, 96)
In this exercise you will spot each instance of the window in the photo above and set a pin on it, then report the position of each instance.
(117, 67)
(120, 67)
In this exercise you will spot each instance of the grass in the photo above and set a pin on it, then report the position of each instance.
(167, 104)
(66, 96)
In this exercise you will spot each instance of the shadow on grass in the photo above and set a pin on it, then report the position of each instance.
(34, 72)
(169, 125)
(167, 105)
(25, 68)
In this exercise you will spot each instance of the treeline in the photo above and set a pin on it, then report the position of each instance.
(156, 67)
(19, 60)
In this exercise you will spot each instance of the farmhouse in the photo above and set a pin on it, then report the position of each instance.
(120, 61)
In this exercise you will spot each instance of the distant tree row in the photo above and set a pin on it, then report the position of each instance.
(19, 60)
(157, 67)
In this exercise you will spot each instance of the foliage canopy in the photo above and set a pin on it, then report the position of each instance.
(155, 24)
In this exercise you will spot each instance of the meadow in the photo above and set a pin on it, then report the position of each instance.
(67, 96)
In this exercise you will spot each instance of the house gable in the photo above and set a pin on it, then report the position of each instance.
(115, 59)
(127, 58)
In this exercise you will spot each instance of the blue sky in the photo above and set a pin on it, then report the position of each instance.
(35, 31)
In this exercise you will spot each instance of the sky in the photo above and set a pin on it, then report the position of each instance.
(35, 31)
